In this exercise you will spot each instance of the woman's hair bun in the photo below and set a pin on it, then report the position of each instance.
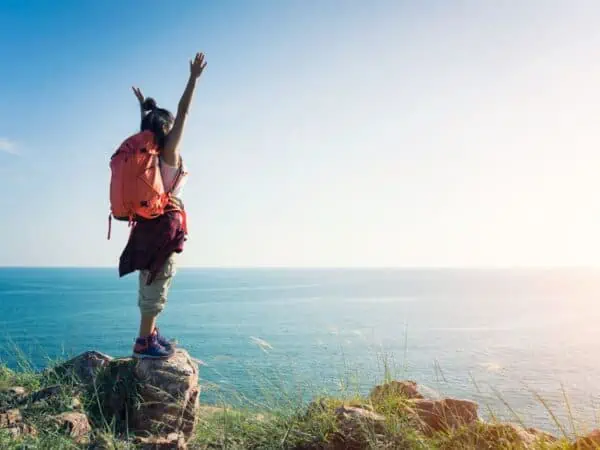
(149, 104)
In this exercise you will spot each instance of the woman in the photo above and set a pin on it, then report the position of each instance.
(153, 243)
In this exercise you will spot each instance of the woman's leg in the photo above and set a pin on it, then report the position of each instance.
(147, 324)
(152, 299)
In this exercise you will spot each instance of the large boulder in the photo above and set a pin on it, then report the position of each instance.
(434, 416)
(590, 441)
(151, 397)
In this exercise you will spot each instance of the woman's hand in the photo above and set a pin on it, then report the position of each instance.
(197, 65)
(138, 94)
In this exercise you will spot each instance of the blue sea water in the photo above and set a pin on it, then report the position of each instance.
(500, 337)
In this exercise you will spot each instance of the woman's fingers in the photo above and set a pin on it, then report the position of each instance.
(199, 59)
(198, 63)
(138, 93)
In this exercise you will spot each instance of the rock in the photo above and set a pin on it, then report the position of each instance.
(358, 428)
(151, 397)
(491, 436)
(12, 421)
(352, 416)
(170, 393)
(172, 441)
(17, 391)
(75, 424)
(442, 415)
(590, 441)
(84, 367)
(12, 396)
(538, 436)
(22, 429)
(10, 418)
(405, 389)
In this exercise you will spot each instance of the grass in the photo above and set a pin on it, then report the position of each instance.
(311, 427)
(39, 414)
(282, 420)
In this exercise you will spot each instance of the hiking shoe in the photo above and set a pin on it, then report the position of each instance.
(166, 343)
(149, 348)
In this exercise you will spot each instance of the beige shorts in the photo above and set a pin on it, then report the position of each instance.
(153, 297)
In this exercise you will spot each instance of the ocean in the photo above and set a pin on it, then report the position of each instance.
(505, 338)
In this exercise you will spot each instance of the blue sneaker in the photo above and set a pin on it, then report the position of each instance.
(166, 343)
(149, 348)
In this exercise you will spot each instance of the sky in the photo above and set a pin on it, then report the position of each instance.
(395, 133)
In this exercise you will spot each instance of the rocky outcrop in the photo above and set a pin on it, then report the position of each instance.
(433, 416)
(10, 418)
(428, 415)
(151, 397)
(458, 420)
(155, 400)
(154, 404)
(590, 441)
(74, 424)
(12, 421)
(17, 406)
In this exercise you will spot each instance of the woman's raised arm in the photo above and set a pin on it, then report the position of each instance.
(170, 151)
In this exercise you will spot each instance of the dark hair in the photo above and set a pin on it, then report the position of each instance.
(157, 120)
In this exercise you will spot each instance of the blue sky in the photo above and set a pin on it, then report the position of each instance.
(330, 133)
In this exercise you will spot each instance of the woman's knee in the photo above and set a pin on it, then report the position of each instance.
(151, 306)
(153, 297)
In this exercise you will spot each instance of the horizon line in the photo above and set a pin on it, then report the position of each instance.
(332, 267)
